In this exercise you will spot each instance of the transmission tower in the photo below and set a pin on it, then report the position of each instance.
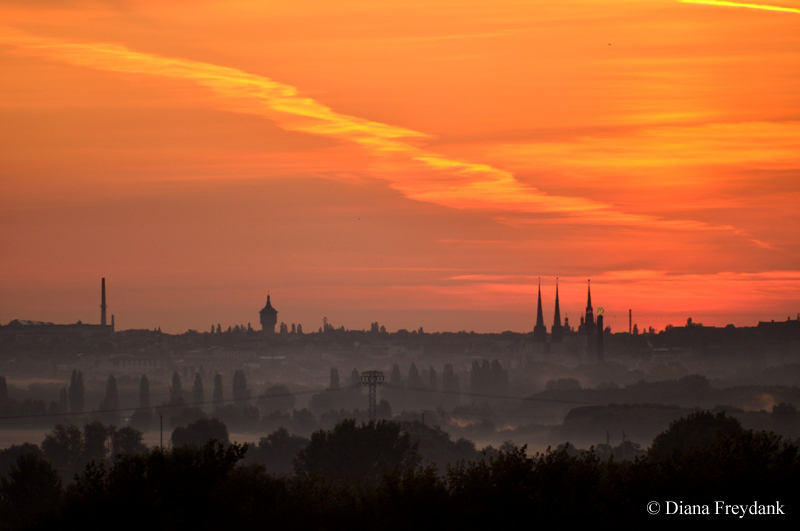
(372, 379)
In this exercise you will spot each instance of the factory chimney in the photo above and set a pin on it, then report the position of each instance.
(103, 302)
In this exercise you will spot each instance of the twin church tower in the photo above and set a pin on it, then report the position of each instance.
(557, 330)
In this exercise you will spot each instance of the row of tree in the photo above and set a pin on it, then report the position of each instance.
(484, 378)
(371, 472)
(71, 399)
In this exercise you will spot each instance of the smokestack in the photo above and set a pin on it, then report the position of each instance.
(103, 302)
(630, 321)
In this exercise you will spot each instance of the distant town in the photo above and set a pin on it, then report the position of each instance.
(767, 343)
(533, 387)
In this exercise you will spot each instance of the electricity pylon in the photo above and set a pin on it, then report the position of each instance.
(372, 379)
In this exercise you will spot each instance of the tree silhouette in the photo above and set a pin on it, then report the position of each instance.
(197, 391)
(499, 377)
(30, 490)
(384, 410)
(696, 432)
(276, 451)
(10, 455)
(63, 401)
(183, 488)
(111, 401)
(95, 436)
(76, 392)
(414, 379)
(395, 379)
(176, 390)
(240, 392)
(710, 456)
(200, 432)
(357, 453)
(144, 392)
(127, 441)
(64, 445)
(217, 397)
(143, 416)
(449, 379)
(276, 398)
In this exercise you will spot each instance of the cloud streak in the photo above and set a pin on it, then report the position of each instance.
(739, 4)
(416, 172)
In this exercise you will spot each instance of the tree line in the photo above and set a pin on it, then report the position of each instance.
(374, 472)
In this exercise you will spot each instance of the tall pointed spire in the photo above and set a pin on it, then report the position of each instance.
(540, 331)
(556, 331)
(589, 310)
(589, 327)
(539, 313)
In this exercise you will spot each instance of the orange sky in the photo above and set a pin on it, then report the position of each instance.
(412, 163)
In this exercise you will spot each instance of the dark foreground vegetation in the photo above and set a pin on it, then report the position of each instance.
(373, 474)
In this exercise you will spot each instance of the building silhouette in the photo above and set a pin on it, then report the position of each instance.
(22, 329)
(269, 318)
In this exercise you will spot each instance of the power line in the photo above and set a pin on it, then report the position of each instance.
(71, 414)
(159, 407)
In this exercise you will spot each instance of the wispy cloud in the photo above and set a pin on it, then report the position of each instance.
(765, 7)
(416, 172)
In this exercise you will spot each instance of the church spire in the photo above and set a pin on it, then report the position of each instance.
(556, 332)
(589, 310)
(589, 291)
(540, 331)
